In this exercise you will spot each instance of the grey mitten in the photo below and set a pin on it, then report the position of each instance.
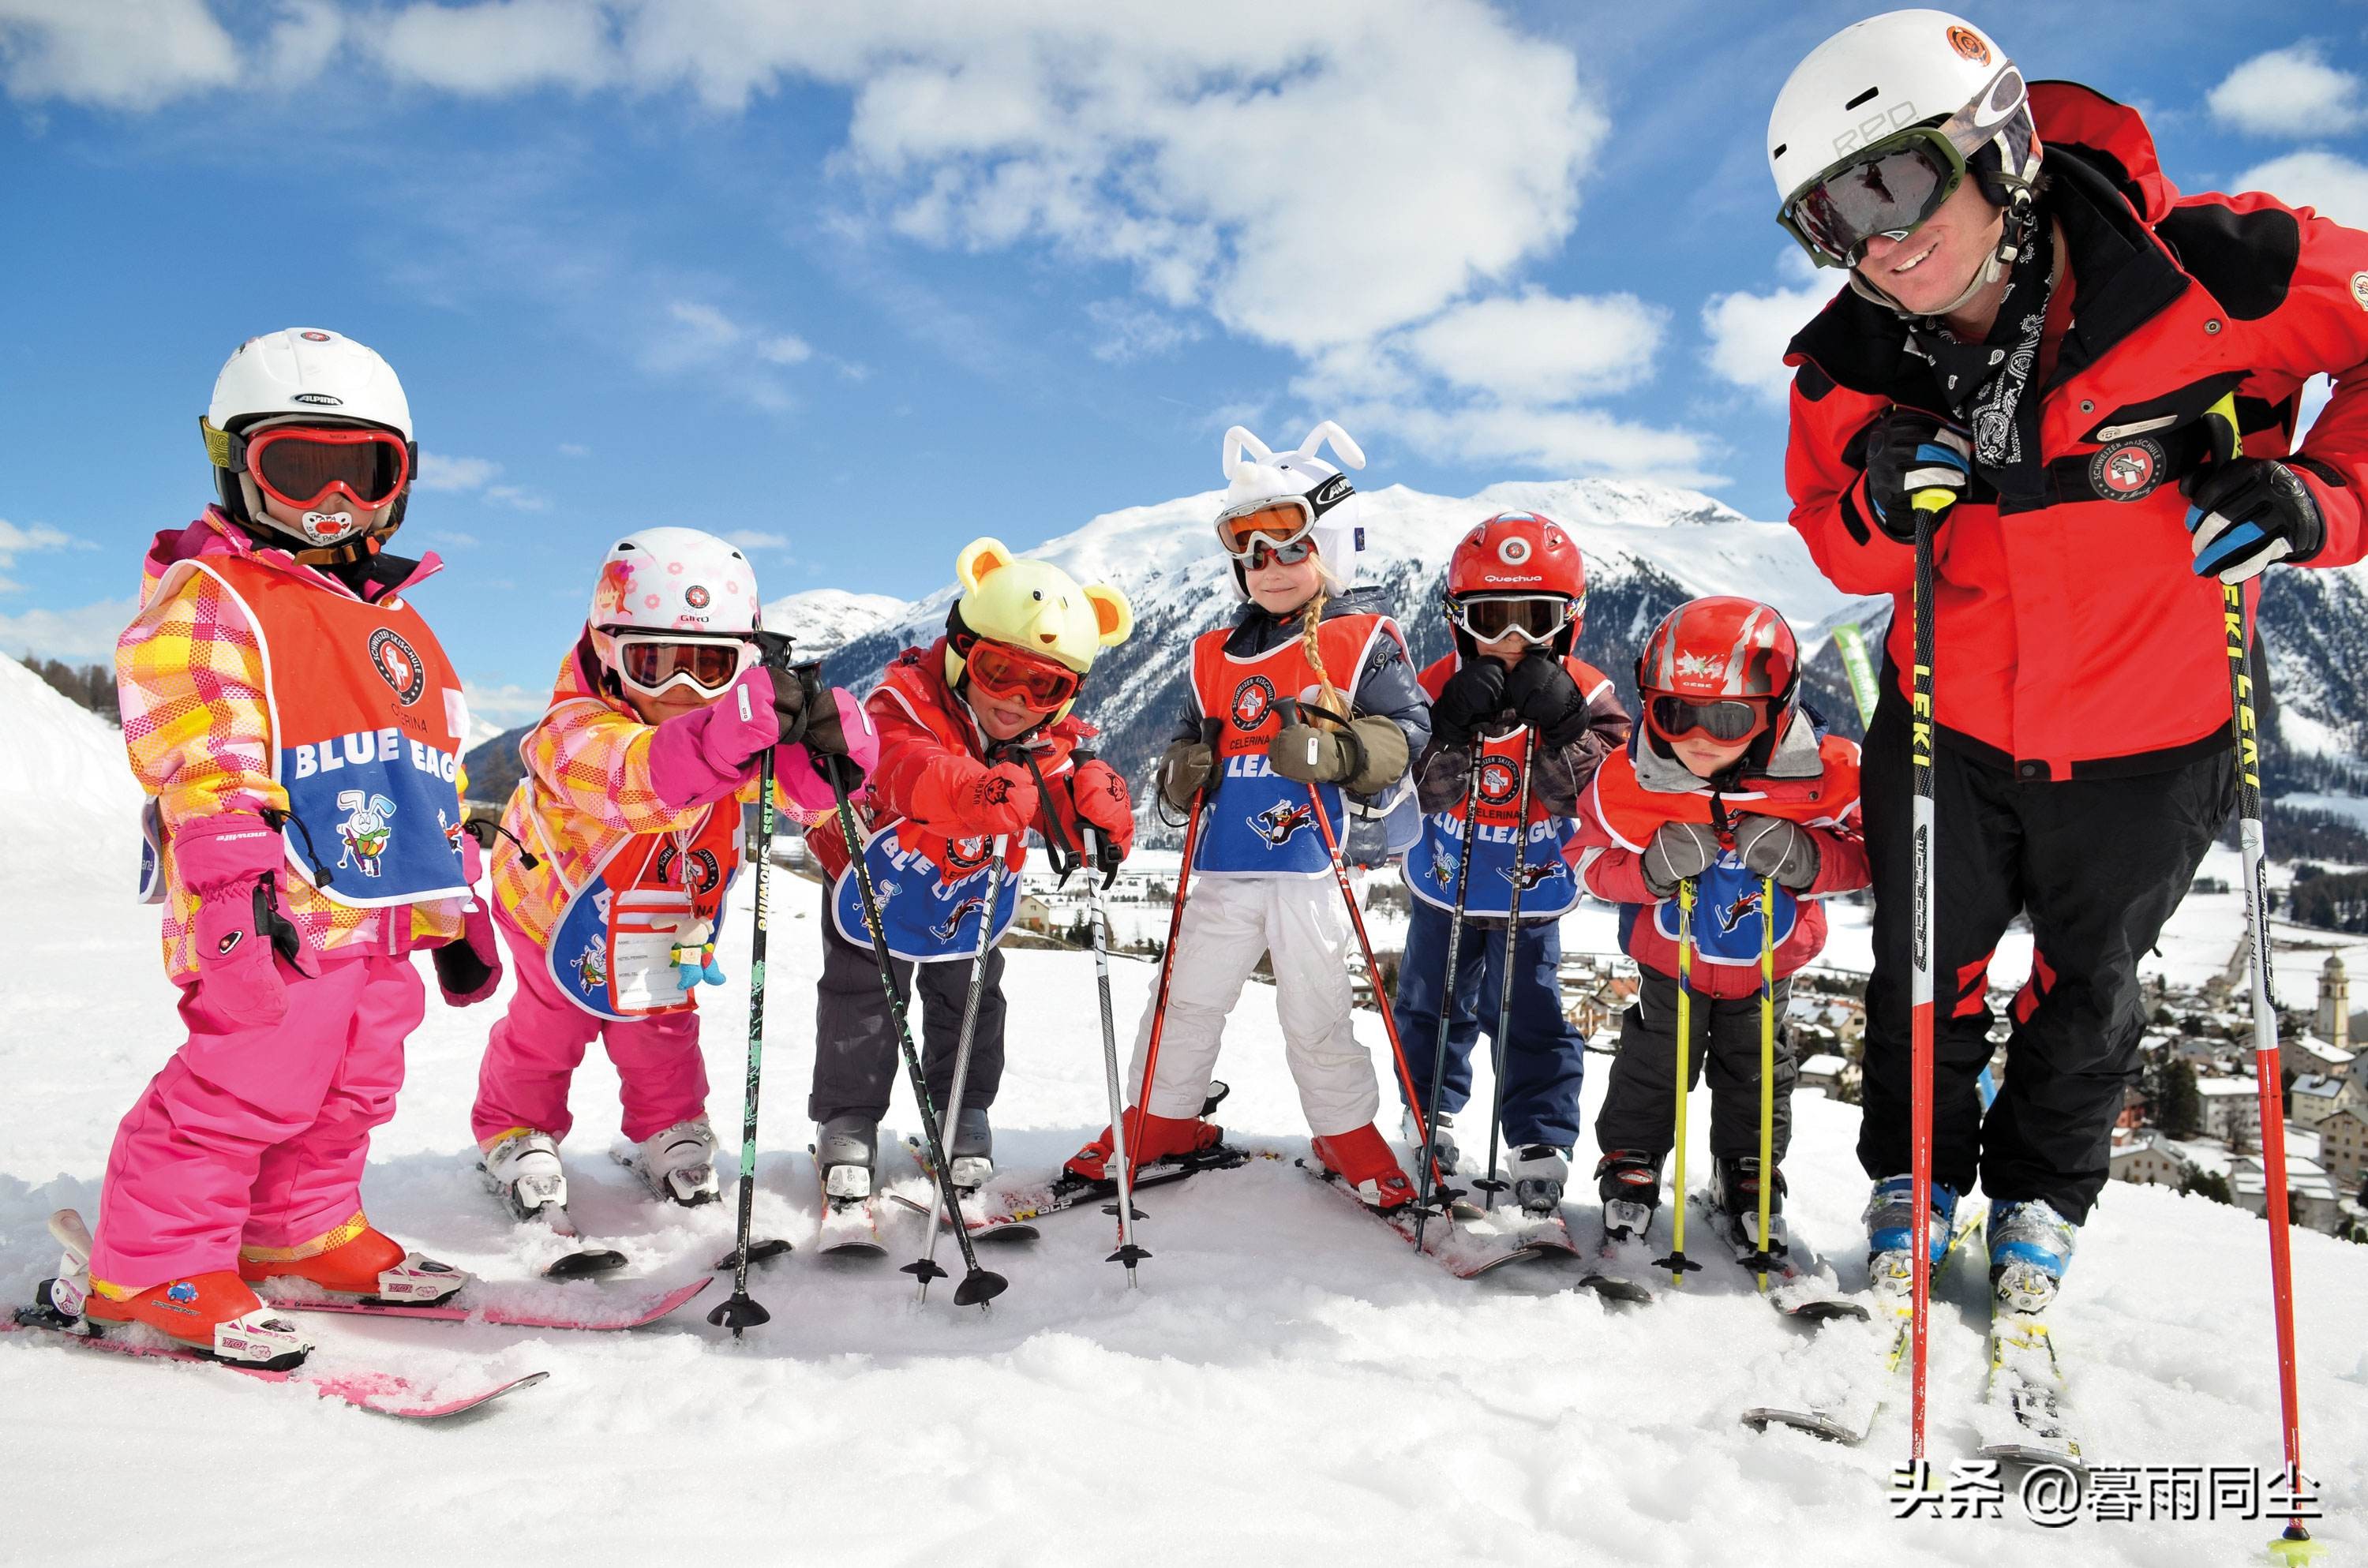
(1771, 846)
(1679, 850)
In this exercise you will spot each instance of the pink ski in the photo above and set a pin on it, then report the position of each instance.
(380, 1394)
(614, 1313)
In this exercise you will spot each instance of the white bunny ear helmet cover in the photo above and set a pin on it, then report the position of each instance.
(1254, 474)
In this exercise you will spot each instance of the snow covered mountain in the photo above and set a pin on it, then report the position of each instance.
(824, 619)
(1648, 547)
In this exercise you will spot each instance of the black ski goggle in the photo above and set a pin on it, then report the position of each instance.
(1727, 719)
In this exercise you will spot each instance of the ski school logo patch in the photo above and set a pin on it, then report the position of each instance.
(2126, 470)
(969, 853)
(701, 870)
(1252, 700)
(397, 663)
(1498, 781)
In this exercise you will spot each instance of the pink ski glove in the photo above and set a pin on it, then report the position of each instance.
(469, 968)
(230, 863)
(702, 757)
(799, 768)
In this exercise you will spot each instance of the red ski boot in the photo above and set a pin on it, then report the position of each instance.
(364, 1262)
(1363, 1160)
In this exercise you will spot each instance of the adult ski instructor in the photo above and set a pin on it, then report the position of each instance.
(2104, 377)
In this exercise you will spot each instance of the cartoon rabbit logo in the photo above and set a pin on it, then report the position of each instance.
(365, 832)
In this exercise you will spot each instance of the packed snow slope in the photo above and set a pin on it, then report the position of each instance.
(1290, 1384)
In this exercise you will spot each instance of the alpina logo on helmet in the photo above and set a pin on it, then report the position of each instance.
(695, 597)
(1967, 42)
(321, 400)
(1330, 493)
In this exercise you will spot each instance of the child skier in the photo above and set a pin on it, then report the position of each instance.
(1260, 877)
(977, 748)
(1516, 600)
(282, 700)
(1729, 779)
(619, 844)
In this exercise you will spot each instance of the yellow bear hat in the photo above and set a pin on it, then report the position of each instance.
(1032, 605)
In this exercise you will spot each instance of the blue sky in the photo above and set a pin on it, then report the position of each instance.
(859, 283)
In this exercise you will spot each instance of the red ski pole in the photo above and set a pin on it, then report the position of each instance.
(1931, 506)
(1167, 956)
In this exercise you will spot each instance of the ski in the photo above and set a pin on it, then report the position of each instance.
(2022, 1418)
(1004, 1206)
(850, 1226)
(1456, 1245)
(380, 1394)
(1847, 1374)
(1800, 1284)
(617, 1312)
(977, 1217)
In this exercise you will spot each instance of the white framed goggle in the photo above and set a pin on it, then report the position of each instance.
(653, 664)
(1277, 523)
(1536, 618)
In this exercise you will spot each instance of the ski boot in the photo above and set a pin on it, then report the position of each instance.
(678, 1164)
(848, 1149)
(1442, 1141)
(1630, 1186)
(1150, 1139)
(1734, 1193)
(212, 1313)
(2031, 1246)
(522, 1167)
(1890, 1225)
(970, 1151)
(1539, 1172)
(1362, 1161)
(368, 1265)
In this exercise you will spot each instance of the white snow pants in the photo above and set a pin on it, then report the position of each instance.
(1229, 922)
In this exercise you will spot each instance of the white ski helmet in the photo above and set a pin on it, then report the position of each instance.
(309, 376)
(1924, 77)
(672, 580)
(1255, 473)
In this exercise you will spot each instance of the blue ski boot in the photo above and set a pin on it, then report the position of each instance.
(2031, 1246)
(1890, 1225)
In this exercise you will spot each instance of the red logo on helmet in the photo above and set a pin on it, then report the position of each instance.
(1968, 43)
(314, 336)
(2127, 472)
(695, 597)
(1252, 700)
(397, 664)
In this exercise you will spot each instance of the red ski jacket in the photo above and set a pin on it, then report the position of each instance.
(929, 745)
(2073, 639)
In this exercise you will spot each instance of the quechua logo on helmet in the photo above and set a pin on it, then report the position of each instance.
(1252, 701)
(397, 663)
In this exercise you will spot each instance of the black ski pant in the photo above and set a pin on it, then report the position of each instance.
(856, 1063)
(1640, 1106)
(2098, 864)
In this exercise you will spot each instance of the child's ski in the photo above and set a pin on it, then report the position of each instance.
(619, 1311)
(1461, 1248)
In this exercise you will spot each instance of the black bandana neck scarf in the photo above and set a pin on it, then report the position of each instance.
(1984, 382)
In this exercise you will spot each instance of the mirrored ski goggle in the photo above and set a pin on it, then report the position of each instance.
(654, 665)
(1015, 674)
(1728, 718)
(1279, 527)
(302, 467)
(1533, 617)
(1890, 187)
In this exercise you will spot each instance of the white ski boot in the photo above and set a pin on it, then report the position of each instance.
(847, 1148)
(1539, 1172)
(1443, 1137)
(2031, 1246)
(678, 1164)
(971, 1151)
(524, 1171)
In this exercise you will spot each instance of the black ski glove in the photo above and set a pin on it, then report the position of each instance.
(1547, 699)
(2248, 511)
(1906, 453)
(1473, 695)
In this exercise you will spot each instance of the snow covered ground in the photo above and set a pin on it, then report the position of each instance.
(1289, 1383)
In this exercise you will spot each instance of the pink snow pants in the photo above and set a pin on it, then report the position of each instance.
(535, 1049)
(256, 1137)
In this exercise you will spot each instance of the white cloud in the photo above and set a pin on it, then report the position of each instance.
(2289, 92)
(501, 47)
(788, 349)
(1554, 440)
(513, 496)
(1747, 333)
(15, 541)
(438, 472)
(87, 631)
(2330, 182)
(752, 539)
(300, 45)
(1540, 348)
(574, 449)
(507, 706)
(1131, 331)
(120, 55)
(697, 336)
(454, 538)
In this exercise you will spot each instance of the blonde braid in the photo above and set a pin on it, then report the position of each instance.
(1311, 645)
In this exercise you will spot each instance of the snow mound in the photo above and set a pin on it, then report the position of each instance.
(66, 788)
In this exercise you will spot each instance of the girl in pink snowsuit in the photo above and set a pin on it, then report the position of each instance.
(618, 846)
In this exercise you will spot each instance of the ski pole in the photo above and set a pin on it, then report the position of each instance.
(1099, 858)
(1929, 507)
(742, 1312)
(927, 1268)
(1175, 928)
(1364, 942)
(1677, 1263)
(2295, 1544)
(1763, 1259)
(1447, 977)
(1490, 1185)
(979, 1286)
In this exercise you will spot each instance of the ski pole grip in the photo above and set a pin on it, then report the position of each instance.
(1099, 852)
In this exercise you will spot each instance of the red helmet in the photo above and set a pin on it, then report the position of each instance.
(1727, 666)
(1511, 556)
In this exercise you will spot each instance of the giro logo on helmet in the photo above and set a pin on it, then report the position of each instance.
(398, 664)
